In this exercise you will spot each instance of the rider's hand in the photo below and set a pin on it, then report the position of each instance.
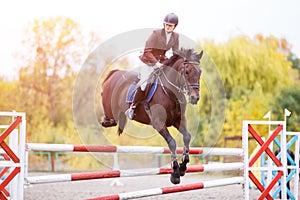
(157, 65)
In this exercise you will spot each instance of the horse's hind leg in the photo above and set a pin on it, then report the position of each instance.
(108, 122)
(122, 122)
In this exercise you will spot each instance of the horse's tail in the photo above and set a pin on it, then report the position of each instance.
(122, 122)
(109, 75)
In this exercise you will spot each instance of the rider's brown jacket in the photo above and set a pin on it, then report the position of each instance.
(156, 47)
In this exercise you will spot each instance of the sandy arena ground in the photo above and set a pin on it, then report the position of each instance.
(79, 190)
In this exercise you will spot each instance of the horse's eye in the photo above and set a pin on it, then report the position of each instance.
(186, 72)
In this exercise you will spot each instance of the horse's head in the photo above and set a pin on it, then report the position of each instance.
(190, 70)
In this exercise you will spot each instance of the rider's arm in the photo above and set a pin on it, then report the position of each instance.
(151, 45)
(175, 47)
(149, 57)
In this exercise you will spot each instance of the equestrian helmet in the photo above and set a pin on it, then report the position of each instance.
(171, 19)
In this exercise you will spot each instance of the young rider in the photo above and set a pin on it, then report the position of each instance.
(159, 42)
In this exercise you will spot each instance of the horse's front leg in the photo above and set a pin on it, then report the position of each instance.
(158, 118)
(186, 139)
(175, 175)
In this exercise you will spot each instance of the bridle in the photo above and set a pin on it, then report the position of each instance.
(182, 88)
(187, 84)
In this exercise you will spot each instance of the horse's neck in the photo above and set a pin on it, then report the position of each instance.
(173, 72)
(171, 82)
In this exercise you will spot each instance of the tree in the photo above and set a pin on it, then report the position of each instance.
(9, 98)
(249, 62)
(52, 49)
(253, 72)
(289, 98)
(295, 63)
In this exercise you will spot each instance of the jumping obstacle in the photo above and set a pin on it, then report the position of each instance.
(130, 173)
(277, 166)
(16, 162)
(12, 142)
(173, 189)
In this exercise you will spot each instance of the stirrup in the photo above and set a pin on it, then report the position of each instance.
(130, 112)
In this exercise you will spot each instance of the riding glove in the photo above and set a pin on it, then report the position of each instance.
(157, 65)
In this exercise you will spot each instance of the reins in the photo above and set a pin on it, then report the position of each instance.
(182, 89)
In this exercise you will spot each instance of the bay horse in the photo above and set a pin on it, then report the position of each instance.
(180, 76)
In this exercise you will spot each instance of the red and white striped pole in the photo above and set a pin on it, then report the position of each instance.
(130, 173)
(129, 149)
(172, 189)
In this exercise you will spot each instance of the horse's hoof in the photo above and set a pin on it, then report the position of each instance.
(175, 180)
(182, 169)
(182, 173)
(175, 175)
(108, 122)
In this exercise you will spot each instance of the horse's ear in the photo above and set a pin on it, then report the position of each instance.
(189, 54)
(199, 56)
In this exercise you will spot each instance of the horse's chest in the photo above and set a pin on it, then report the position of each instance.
(174, 113)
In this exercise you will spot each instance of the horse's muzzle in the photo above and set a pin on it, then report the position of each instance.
(194, 99)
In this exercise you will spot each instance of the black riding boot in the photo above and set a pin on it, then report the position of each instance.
(137, 99)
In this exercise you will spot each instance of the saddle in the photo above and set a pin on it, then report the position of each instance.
(149, 91)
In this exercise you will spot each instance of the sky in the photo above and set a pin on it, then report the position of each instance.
(218, 20)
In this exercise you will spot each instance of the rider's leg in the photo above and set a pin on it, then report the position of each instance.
(145, 73)
(138, 98)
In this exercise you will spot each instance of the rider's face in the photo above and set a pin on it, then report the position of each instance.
(169, 28)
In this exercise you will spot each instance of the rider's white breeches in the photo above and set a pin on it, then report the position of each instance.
(145, 72)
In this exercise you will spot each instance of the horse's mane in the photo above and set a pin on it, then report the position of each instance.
(186, 54)
(172, 60)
